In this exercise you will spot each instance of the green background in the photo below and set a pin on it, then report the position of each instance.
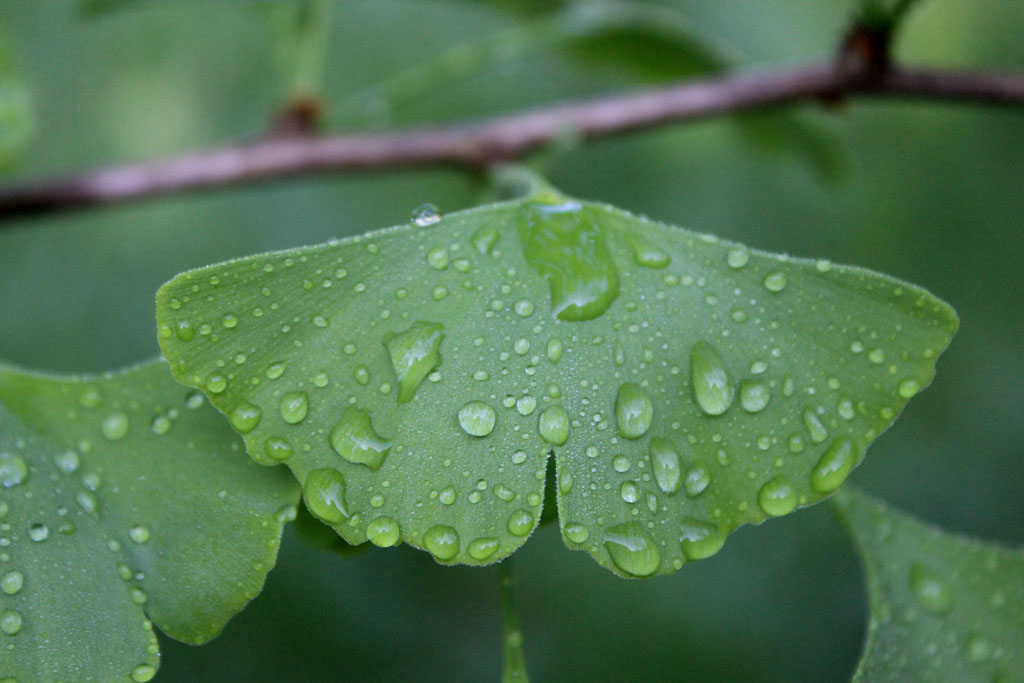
(932, 193)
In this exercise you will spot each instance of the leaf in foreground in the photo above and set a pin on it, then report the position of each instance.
(944, 607)
(125, 499)
(417, 379)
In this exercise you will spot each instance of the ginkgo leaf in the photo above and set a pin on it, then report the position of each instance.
(944, 607)
(126, 501)
(417, 379)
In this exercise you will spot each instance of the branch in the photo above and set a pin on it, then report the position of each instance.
(478, 144)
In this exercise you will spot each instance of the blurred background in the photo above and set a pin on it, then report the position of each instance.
(930, 193)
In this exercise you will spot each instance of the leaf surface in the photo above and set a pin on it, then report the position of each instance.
(417, 379)
(126, 501)
(944, 607)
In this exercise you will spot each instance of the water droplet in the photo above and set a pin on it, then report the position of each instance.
(526, 405)
(754, 395)
(519, 457)
(553, 425)
(738, 257)
(425, 214)
(632, 550)
(12, 582)
(876, 356)
(482, 548)
(216, 383)
(143, 673)
(160, 425)
(447, 496)
(633, 411)
(194, 400)
(697, 479)
(383, 532)
(230, 320)
(524, 308)
(775, 281)
(184, 331)
(815, 426)
(442, 542)
(568, 247)
(834, 466)
(115, 426)
(477, 418)
(485, 239)
(979, 649)
(577, 533)
(355, 439)
(646, 254)
(278, 449)
(245, 417)
(522, 346)
(554, 350)
(520, 523)
(665, 463)
(629, 491)
(930, 589)
(294, 406)
(324, 493)
(13, 470)
(909, 387)
(777, 497)
(437, 258)
(275, 370)
(414, 352)
(139, 534)
(700, 540)
(712, 386)
(621, 463)
(10, 622)
(90, 398)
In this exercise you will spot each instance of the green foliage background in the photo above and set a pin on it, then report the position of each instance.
(931, 194)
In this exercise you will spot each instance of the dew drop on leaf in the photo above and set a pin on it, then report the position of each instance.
(324, 493)
(777, 497)
(354, 438)
(712, 385)
(631, 549)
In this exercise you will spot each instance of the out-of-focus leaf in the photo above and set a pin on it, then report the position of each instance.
(126, 501)
(790, 133)
(17, 119)
(943, 607)
(417, 379)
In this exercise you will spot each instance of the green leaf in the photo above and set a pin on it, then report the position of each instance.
(126, 499)
(944, 607)
(17, 119)
(684, 385)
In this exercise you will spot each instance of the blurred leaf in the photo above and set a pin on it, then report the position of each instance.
(417, 379)
(17, 119)
(884, 14)
(125, 499)
(790, 133)
(943, 607)
(300, 29)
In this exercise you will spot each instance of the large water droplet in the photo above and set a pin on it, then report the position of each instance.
(554, 350)
(577, 533)
(477, 418)
(245, 417)
(414, 353)
(930, 589)
(738, 257)
(324, 493)
(482, 548)
(700, 540)
(13, 470)
(143, 673)
(520, 523)
(383, 532)
(568, 247)
(115, 426)
(294, 406)
(355, 439)
(553, 425)
(712, 386)
(754, 395)
(631, 549)
(777, 497)
(442, 542)
(633, 411)
(834, 466)
(425, 214)
(665, 464)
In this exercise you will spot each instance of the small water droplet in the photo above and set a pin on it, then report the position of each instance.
(909, 387)
(10, 622)
(553, 425)
(632, 550)
(577, 533)
(699, 540)
(754, 395)
(834, 466)
(414, 353)
(712, 386)
(294, 407)
(520, 523)
(143, 673)
(13, 470)
(324, 493)
(425, 214)
(775, 281)
(216, 383)
(275, 370)
(442, 542)
(629, 491)
(245, 417)
(482, 548)
(633, 411)
(354, 438)
(477, 418)
(139, 534)
(115, 426)
(738, 257)
(930, 589)
(485, 239)
(665, 463)
(525, 405)
(437, 258)
(815, 426)
(383, 532)
(184, 331)
(777, 497)
(554, 350)
(697, 479)
(277, 449)
(38, 532)
(90, 398)
(12, 582)
(524, 308)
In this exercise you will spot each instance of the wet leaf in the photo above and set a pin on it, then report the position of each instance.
(684, 385)
(944, 607)
(125, 501)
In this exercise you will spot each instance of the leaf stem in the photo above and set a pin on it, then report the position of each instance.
(515, 663)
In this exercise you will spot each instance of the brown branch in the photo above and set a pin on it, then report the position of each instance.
(504, 138)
